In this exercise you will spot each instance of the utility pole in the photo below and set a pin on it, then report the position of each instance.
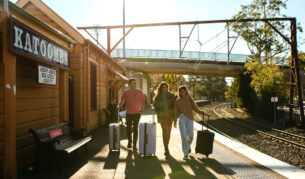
(295, 80)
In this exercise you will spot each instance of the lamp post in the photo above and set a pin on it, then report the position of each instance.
(274, 100)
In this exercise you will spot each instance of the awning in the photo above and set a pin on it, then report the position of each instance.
(119, 74)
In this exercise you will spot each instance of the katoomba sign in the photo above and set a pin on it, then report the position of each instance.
(29, 43)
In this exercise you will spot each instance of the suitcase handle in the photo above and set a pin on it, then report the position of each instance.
(153, 117)
(207, 122)
(118, 116)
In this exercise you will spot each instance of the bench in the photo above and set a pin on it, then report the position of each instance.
(57, 139)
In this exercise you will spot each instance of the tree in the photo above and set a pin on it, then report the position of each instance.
(268, 81)
(213, 88)
(174, 81)
(267, 77)
(266, 46)
(301, 57)
(260, 37)
(243, 94)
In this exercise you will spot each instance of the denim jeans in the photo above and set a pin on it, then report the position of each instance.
(186, 127)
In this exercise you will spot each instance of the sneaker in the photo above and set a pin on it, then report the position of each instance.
(129, 145)
(186, 157)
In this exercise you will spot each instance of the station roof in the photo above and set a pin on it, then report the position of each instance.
(14, 7)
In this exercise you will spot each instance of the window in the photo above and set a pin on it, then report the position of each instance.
(93, 89)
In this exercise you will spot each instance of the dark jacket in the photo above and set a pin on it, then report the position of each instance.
(159, 106)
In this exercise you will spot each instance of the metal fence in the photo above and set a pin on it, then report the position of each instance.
(174, 54)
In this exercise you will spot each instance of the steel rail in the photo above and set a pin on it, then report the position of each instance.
(269, 128)
(300, 146)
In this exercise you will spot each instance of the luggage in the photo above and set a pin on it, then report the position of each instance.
(147, 138)
(114, 136)
(122, 114)
(205, 140)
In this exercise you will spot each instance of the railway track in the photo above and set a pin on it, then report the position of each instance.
(280, 132)
(295, 140)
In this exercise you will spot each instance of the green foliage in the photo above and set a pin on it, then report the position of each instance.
(213, 88)
(301, 57)
(171, 80)
(252, 90)
(266, 77)
(263, 78)
(268, 81)
(174, 81)
(260, 37)
(243, 94)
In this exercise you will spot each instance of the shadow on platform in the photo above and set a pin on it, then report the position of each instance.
(100, 163)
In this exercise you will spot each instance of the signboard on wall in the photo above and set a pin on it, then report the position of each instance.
(46, 75)
(27, 42)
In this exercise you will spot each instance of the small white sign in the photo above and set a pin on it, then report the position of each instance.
(46, 75)
(274, 99)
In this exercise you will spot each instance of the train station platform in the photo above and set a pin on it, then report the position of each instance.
(223, 163)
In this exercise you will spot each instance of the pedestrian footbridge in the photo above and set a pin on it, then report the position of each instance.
(191, 62)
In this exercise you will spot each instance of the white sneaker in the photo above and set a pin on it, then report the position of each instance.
(186, 157)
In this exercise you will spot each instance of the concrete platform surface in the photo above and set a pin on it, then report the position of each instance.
(100, 163)
(260, 158)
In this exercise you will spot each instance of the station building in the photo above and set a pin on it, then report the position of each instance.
(49, 73)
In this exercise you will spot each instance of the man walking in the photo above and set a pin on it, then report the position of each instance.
(134, 101)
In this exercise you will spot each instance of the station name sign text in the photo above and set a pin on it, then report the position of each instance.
(27, 42)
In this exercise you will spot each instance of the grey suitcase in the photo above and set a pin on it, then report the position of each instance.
(114, 136)
(147, 138)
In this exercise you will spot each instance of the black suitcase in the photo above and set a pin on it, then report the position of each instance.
(205, 140)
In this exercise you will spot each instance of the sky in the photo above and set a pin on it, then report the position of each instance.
(110, 12)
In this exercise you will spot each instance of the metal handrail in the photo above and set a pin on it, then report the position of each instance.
(174, 54)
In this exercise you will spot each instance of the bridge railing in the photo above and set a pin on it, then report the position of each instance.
(174, 54)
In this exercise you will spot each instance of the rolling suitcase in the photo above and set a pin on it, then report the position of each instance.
(205, 140)
(147, 138)
(114, 136)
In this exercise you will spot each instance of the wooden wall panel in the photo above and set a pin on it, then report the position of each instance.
(37, 106)
(1, 122)
(22, 129)
(104, 88)
(34, 115)
(1, 106)
(1, 111)
(1, 92)
(26, 93)
(24, 141)
(75, 70)
(94, 121)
